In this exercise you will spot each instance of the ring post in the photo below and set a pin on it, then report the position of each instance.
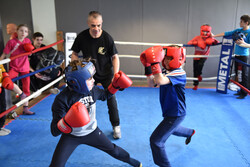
(224, 64)
(69, 40)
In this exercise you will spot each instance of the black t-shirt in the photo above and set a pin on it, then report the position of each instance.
(100, 49)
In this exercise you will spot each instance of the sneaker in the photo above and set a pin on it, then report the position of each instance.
(134, 162)
(195, 87)
(199, 78)
(12, 115)
(238, 93)
(117, 132)
(23, 96)
(54, 91)
(4, 132)
(188, 140)
(28, 112)
(241, 97)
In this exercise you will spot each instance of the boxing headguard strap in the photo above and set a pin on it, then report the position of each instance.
(205, 30)
(77, 79)
(178, 54)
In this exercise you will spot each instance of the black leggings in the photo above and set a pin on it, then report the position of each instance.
(197, 68)
(2, 107)
(68, 143)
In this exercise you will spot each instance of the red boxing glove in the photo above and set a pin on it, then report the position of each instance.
(28, 47)
(147, 65)
(7, 82)
(211, 41)
(0, 90)
(194, 41)
(201, 43)
(143, 60)
(120, 81)
(154, 54)
(198, 41)
(76, 117)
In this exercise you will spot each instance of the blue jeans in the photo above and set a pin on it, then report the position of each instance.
(168, 126)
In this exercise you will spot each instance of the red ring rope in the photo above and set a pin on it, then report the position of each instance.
(36, 50)
(245, 89)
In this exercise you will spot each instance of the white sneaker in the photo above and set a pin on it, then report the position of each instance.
(4, 132)
(12, 115)
(54, 90)
(117, 132)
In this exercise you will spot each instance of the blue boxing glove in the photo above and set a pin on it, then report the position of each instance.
(238, 35)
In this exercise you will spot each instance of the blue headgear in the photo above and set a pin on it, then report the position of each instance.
(77, 79)
(238, 35)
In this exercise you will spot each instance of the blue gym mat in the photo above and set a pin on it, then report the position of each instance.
(221, 121)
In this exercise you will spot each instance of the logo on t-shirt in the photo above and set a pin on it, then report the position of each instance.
(101, 50)
(87, 101)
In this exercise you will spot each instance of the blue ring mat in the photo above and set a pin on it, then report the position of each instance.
(221, 121)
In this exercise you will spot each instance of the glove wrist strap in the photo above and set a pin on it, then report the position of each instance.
(156, 68)
(112, 89)
(148, 71)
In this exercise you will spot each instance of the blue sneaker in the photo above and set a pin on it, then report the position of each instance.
(188, 140)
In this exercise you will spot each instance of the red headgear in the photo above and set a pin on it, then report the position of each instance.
(205, 31)
(177, 53)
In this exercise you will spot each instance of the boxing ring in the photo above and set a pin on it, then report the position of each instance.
(223, 77)
(35, 94)
(222, 129)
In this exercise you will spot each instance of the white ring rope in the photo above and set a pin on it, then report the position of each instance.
(201, 56)
(187, 56)
(203, 79)
(145, 43)
(4, 61)
(188, 78)
(38, 92)
(162, 44)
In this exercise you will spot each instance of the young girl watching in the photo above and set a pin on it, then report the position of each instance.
(20, 66)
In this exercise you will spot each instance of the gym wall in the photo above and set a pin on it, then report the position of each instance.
(15, 11)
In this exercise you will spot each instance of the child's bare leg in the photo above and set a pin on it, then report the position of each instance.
(17, 90)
